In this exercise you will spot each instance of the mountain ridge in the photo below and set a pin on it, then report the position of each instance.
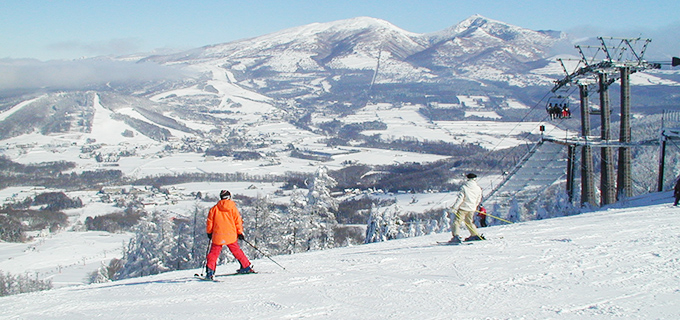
(323, 46)
(312, 75)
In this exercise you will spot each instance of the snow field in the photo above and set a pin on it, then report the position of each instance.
(64, 258)
(614, 263)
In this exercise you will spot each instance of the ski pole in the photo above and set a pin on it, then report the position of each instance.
(207, 251)
(205, 265)
(497, 218)
(264, 254)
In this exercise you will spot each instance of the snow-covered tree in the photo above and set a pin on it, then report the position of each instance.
(515, 211)
(432, 227)
(384, 224)
(150, 251)
(263, 227)
(15, 284)
(106, 273)
(373, 226)
(199, 242)
(299, 223)
(99, 275)
(321, 208)
(444, 221)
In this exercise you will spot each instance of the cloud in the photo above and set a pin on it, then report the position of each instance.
(79, 74)
(119, 46)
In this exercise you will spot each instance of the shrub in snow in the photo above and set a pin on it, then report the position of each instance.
(15, 284)
(13, 223)
(56, 201)
(113, 222)
(106, 273)
(11, 229)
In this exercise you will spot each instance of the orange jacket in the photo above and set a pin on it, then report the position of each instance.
(224, 222)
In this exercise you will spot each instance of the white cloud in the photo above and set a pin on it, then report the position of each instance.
(118, 46)
(75, 74)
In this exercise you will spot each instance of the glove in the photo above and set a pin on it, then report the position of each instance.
(209, 236)
(241, 237)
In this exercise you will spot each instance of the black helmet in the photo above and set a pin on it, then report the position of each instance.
(225, 194)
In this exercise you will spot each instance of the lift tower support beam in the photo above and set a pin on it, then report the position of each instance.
(624, 186)
(587, 178)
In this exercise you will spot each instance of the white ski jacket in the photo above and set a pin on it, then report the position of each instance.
(469, 196)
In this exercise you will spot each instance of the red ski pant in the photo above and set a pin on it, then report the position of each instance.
(216, 249)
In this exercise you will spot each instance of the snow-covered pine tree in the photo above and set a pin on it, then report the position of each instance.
(150, 250)
(181, 257)
(444, 221)
(199, 241)
(384, 225)
(394, 226)
(420, 228)
(100, 275)
(321, 207)
(373, 226)
(263, 227)
(15, 284)
(412, 229)
(299, 222)
(432, 227)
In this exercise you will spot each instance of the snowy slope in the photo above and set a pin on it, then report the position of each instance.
(65, 258)
(615, 263)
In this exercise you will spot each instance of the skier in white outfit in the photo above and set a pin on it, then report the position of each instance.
(463, 209)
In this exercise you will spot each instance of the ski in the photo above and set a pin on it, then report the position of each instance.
(234, 274)
(446, 243)
(464, 242)
(203, 278)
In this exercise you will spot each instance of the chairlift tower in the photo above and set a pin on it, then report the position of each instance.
(587, 183)
(613, 59)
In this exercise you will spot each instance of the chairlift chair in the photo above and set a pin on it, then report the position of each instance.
(558, 107)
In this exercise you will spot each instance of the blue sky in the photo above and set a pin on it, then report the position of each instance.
(46, 30)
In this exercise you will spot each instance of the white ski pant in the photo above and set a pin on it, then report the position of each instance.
(462, 216)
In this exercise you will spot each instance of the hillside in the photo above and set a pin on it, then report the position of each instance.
(394, 116)
(334, 93)
(614, 263)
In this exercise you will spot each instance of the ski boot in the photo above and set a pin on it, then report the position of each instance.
(454, 240)
(475, 238)
(248, 269)
(209, 274)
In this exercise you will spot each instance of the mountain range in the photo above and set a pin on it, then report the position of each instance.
(380, 51)
(318, 78)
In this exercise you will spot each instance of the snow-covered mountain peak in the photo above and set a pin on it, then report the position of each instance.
(472, 21)
(316, 39)
(359, 24)
(480, 26)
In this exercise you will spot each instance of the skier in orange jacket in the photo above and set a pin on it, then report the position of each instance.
(224, 227)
